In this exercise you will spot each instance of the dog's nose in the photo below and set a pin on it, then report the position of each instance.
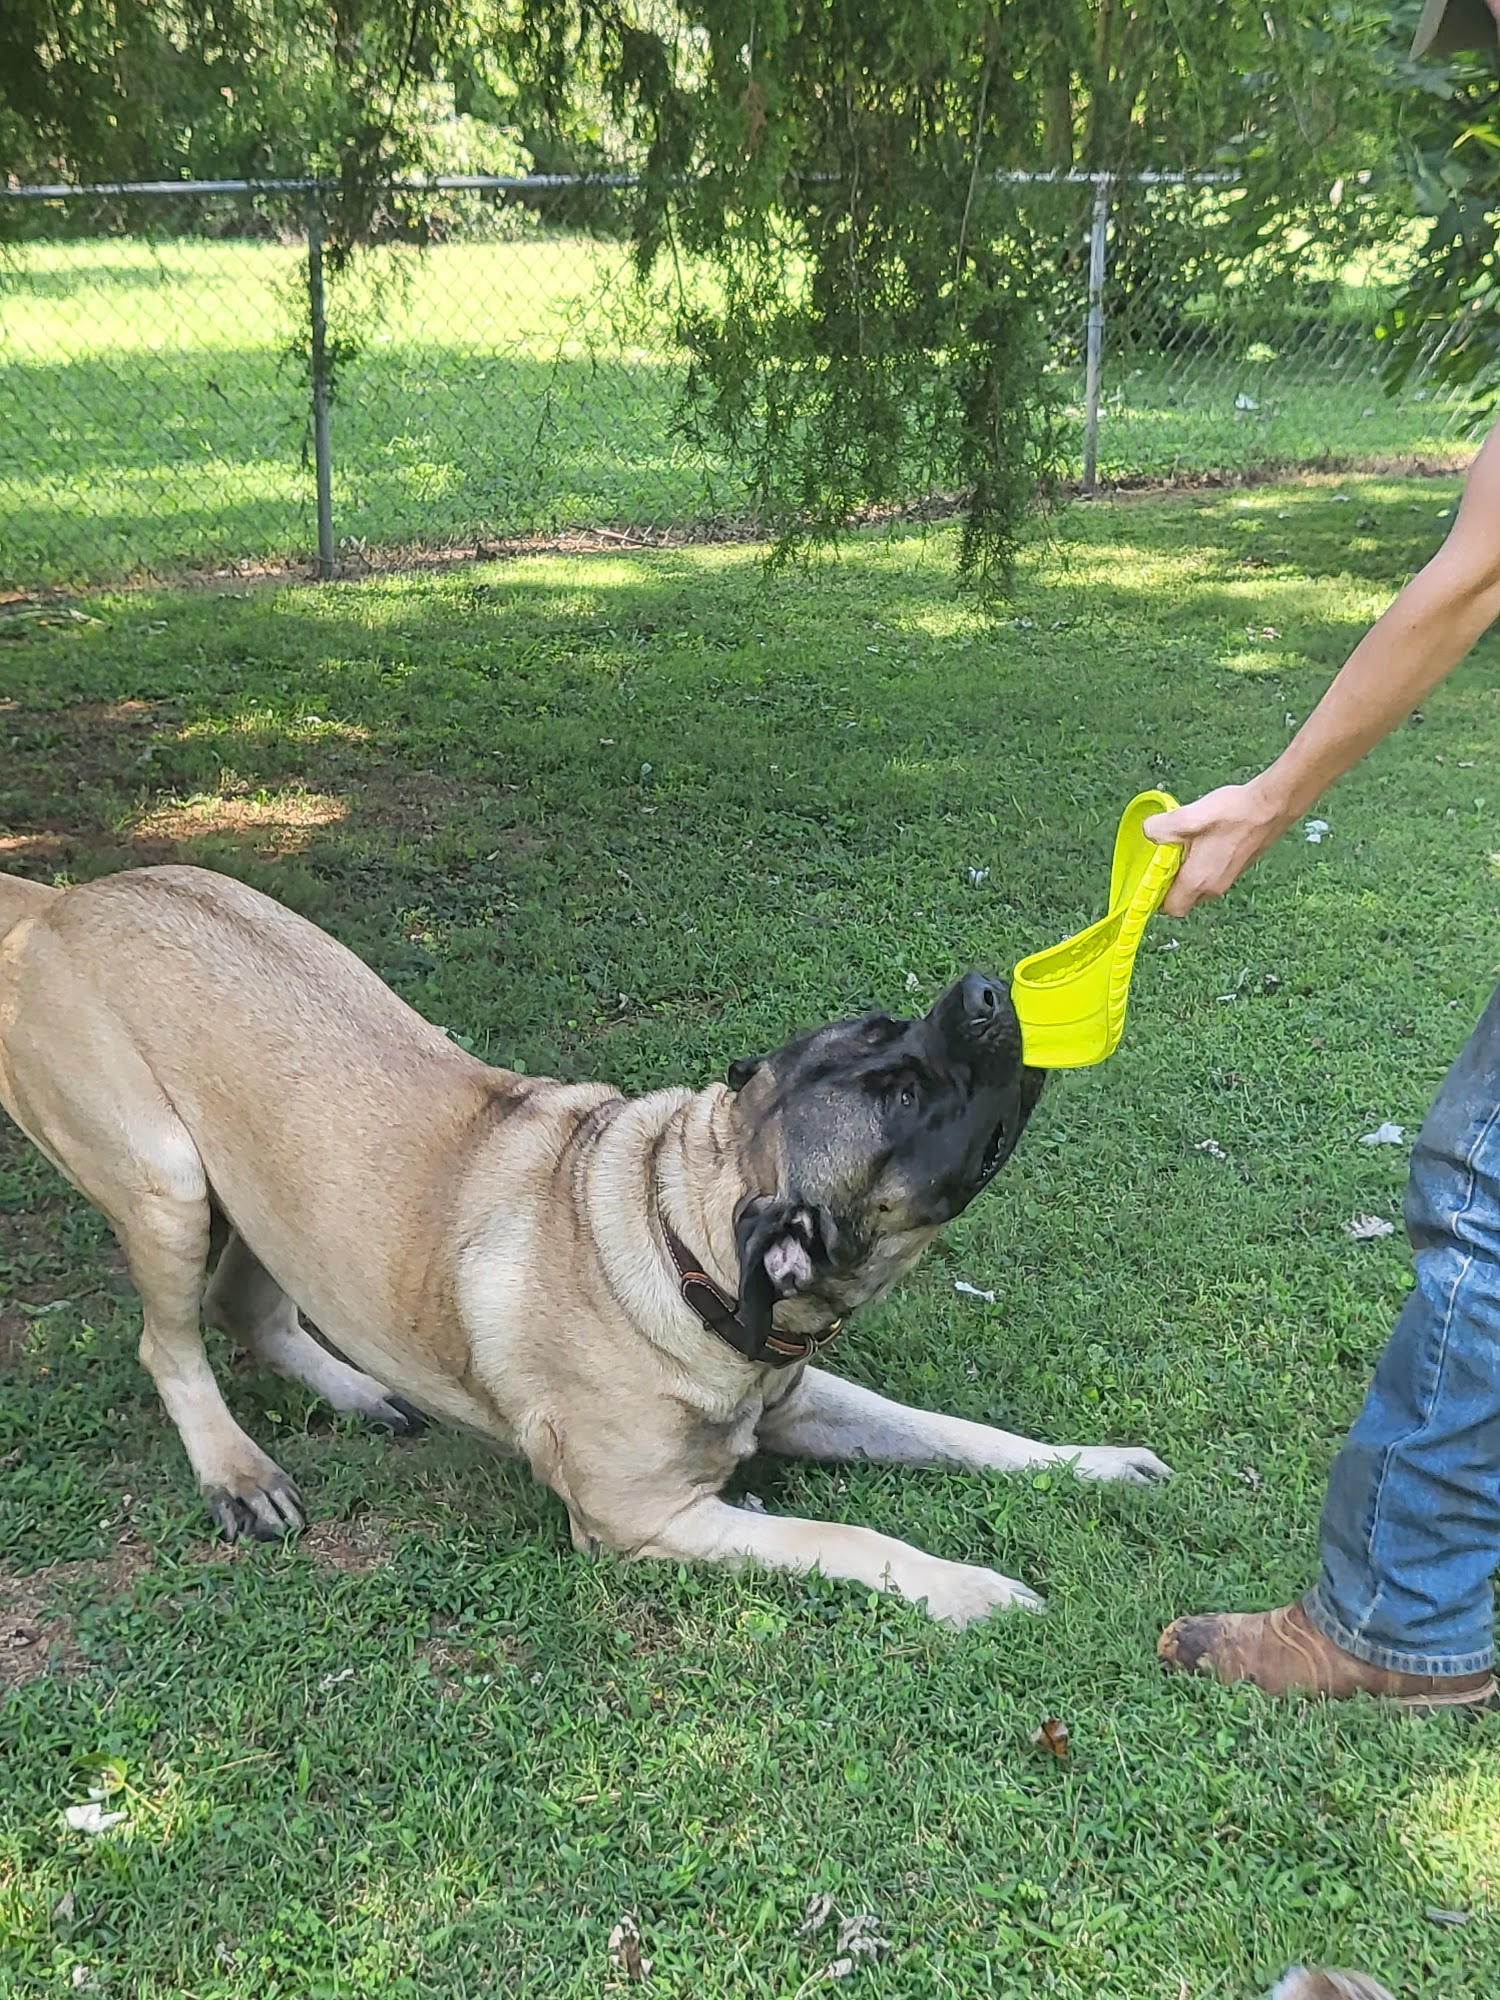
(982, 999)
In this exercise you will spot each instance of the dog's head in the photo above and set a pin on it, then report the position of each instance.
(862, 1139)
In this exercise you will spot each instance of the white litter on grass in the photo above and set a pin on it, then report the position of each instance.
(1384, 1135)
(333, 1680)
(912, 982)
(1244, 402)
(978, 875)
(92, 1818)
(1365, 1228)
(1315, 830)
(1212, 1146)
(972, 1291)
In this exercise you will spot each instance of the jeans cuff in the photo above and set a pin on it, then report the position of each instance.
(1435, 1666)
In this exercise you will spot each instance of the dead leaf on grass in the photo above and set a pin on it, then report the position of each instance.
(1386, 1134)
(1366, 1228)
(817, 1913)
(1052, 1736)
(625, 1950)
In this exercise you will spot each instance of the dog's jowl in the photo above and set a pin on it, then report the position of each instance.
(629, 1292)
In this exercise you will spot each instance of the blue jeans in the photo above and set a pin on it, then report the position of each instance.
(1411, 1525)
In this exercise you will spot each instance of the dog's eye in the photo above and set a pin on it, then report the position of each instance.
(908, 1097)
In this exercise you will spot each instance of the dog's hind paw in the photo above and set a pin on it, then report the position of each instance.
(394, 1414)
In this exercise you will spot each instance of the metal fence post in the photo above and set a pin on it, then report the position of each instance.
(321, 389)
(1098, 243)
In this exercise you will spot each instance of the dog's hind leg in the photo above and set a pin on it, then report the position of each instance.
(164, 1234)
(245, 1302)
(106, 1124)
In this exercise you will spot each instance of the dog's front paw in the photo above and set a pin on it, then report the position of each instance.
(960, 1594)
(253, 1496)
(1130, 1463)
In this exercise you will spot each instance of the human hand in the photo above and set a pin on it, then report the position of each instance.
(1223, 832)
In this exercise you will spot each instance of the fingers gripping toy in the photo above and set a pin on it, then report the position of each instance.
(1070, 999)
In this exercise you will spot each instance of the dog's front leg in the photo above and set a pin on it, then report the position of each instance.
(826, 1417)
(710, 1530)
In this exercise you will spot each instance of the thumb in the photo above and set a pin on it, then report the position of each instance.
(1172, 828)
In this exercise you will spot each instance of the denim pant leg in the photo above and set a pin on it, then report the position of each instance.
(1411, 1525)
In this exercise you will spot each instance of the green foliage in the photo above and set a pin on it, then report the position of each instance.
(1452, 158)
(878, 308)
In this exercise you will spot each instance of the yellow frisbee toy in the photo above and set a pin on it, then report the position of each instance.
(1070, 1000)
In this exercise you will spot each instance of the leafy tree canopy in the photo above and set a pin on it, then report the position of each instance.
(819, 178)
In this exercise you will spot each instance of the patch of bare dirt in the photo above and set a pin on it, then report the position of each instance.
(35, 1634)
(354, 1547)
(269, 827)
(31, 1270)
(449, 1660)
(651, 1629)
(14, 1326)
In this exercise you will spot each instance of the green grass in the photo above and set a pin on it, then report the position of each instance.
(152, 418)
(631, 819)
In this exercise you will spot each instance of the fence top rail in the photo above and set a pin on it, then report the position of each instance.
(436, 183)
(539, 183)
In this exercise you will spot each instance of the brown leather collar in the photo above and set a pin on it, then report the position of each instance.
(720, 1313)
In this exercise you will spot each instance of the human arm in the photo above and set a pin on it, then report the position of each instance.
(1430, 627)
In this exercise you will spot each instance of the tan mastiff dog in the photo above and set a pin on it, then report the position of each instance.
(626, 1292)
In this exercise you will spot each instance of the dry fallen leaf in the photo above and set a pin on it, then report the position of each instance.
(625, 1950)
(1365, 1228)
(1053, 1736)
(859, 1937)
(1384, 1135)
(817, 1913)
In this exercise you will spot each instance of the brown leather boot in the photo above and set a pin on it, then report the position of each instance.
(1283, 1653)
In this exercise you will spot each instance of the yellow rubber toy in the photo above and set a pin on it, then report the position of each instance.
(1070, 1000)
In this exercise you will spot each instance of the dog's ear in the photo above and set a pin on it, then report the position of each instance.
(741, 1071)
(781, 1245)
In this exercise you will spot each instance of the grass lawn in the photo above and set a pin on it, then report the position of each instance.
(632, 819)
(152, 417)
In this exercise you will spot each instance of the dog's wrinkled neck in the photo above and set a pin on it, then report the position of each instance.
(701, 1207)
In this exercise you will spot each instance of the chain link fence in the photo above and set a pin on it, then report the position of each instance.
(175, 376)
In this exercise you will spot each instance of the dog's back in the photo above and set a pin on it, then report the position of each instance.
(20, 898)
(1300, 1984)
